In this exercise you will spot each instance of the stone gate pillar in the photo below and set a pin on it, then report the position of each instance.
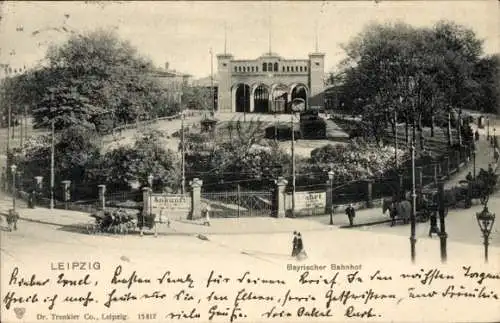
(146, 200)
(369, 193)
(280, 197)
(66, 192)
(102, 196)
(329, 193)
(39, 184)
(196, 185)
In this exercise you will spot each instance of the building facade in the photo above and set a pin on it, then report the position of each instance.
(268, 84)
(172, 81)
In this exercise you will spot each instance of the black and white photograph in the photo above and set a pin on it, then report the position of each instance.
(249, 161)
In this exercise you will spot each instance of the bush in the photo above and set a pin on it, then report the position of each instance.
(282, 131)
(357, 160)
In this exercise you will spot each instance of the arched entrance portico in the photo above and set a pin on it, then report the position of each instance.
(261, 99)
(241, 97)
(299, 91)
(279, 98)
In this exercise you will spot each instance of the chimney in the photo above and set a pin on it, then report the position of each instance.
(166, 66)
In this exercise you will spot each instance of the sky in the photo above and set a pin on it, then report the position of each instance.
(182, 33)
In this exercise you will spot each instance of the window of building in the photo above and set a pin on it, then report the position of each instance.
(275, 67)
(317, 63)
(269, 67)
(224, 64)
(283, 68)
(256, 68)
(264, 67)
(288, 68)
(305, 68)
(236, 68)
(301, 68)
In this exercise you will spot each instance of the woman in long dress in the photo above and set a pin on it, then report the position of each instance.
(301, 252)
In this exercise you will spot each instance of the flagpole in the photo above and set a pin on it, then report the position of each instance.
(212, 80)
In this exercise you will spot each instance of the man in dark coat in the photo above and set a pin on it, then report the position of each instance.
(294, 244)
(351, 214)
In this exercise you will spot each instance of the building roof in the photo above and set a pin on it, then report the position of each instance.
(205, 81)
(168, 73)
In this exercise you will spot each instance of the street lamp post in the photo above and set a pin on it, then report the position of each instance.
(413, 240)
(396, 137)
(488, 128)
(52, 170)
(485, 220)
(212, 81)
(150, 183)
(13, 172)
(474, 164)
(442, 232)
(293, 162)
(330, 178)
(183, 160)
(459, 127)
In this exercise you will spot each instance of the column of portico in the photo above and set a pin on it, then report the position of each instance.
(252, 99)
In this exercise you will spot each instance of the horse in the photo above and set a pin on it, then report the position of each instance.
(12, 218)
(400, 210)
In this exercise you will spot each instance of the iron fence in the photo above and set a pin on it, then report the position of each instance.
(236, 203)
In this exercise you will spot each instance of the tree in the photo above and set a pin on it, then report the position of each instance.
(416, 72)
(76, 156)
(91, 77)
(123, 166)
(486, 96)
(237, 153)
(197, 98)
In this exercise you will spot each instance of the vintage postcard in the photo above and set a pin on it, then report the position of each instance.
(256, 161)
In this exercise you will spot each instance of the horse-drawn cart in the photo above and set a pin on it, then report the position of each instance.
(116, 221)
(400, 211)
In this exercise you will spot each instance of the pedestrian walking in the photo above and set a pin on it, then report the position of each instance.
(496, 155)
(206, 211)
(294, 244)
(433, 224)
(351, 214)
(476, 134)
(31, 200)
(301, 252)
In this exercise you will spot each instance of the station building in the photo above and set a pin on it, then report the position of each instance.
(268, 84)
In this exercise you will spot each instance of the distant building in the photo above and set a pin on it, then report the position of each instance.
(7, 70)
(269, 83)
(172, 81)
